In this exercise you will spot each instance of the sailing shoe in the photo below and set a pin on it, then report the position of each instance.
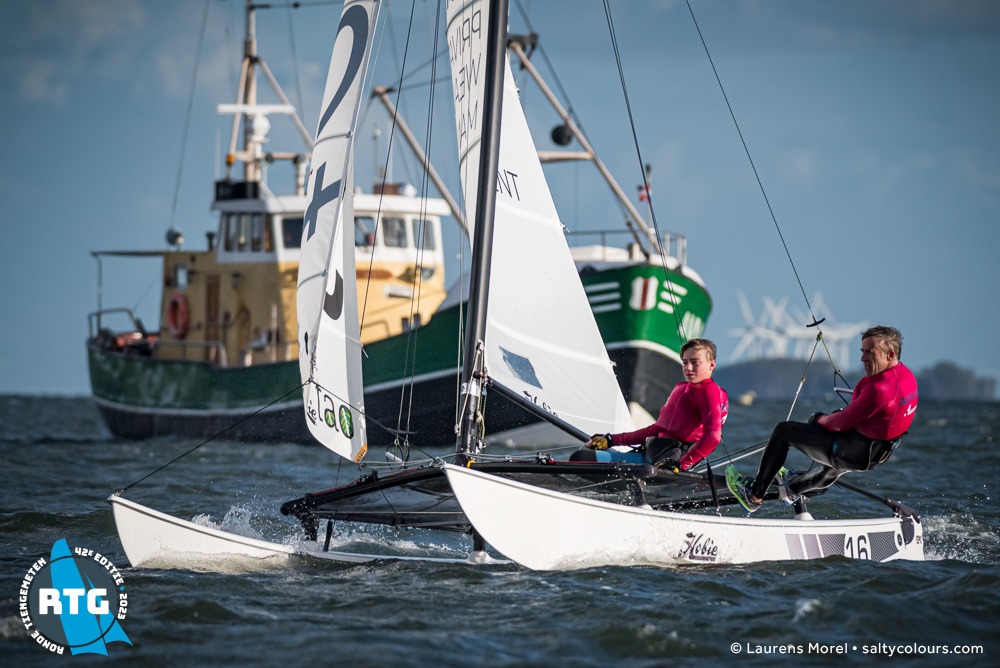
(784, 475)
(740, 488)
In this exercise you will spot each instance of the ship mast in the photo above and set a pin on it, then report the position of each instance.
(254, 116)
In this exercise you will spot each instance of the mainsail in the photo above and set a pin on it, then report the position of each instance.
(542, 342)
(329, 336)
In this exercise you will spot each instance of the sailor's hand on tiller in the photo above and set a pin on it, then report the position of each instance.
(599, 442)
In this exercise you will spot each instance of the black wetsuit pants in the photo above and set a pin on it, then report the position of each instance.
(837, 452)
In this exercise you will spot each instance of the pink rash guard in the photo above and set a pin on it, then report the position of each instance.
(694, 413)
(882, 406)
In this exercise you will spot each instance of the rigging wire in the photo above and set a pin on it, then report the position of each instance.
(250, 416)
(410, 359)
(746, 149)
(378, 212)
(295, 56)
(423, 224)
(406, 389)
(211, 438)
(760, 184)
(184, 136)
(377, 221)
(638, 152)
(406, 74)
(187, 117)
(297, 5)
(552, 70)
(564, 94)
(389, 27)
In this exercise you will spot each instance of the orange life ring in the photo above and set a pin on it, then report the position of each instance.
(178, 316)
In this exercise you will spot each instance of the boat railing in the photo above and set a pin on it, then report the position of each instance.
(95, 325)
(95, 319)
(673, 245)
(216, 350)
(268, 352)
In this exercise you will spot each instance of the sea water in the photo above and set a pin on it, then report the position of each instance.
(59, 464)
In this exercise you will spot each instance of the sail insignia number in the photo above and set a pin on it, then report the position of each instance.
(340, 419)
(355, 18)
(346, 422)
(333, 304)
(325, 189)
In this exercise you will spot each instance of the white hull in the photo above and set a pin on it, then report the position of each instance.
(546, 530)
(156, 540)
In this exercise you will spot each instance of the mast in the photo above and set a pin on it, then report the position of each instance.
(473, 359)
(254, 115)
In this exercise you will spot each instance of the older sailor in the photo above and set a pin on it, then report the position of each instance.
(858, 437)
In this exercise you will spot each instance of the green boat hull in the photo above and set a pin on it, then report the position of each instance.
(410, 380)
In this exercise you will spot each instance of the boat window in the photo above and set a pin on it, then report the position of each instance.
(256, 232)
(409, 325)
(291, 232)
(180, 276)
(423, 229)
(364, 231)
(268, 235)
(237, 231)
(242, 231)
(229, 231)
(394, 232)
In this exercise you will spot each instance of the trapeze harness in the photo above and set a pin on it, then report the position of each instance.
(883, 404)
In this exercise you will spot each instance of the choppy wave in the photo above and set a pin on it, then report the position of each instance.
(31, 420)
(59, 467)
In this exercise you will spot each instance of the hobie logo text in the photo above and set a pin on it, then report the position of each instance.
(699, 548)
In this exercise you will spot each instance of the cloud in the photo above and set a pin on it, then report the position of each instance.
(976, 171)
(801, 166)
(175, 65)
(52, 43)
(848, 25)
(889, 174)
(41, 82)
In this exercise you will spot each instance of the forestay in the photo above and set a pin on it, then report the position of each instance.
(329, 338)
(541, 338)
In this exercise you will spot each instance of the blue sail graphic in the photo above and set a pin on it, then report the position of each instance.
(85, 632)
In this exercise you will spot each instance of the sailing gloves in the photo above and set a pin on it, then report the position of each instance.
(599, 442)
(814, 417)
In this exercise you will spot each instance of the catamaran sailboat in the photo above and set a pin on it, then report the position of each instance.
(531, 338)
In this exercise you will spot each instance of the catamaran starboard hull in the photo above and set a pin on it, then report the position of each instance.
(547, 530)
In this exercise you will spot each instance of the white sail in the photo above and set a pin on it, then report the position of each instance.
(541, 338)
(329, 334)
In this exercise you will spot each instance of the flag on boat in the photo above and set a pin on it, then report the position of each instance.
(644, 191)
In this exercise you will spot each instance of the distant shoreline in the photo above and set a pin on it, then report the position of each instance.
(778, 378)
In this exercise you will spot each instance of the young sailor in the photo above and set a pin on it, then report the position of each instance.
(689, 426)
(858, 437)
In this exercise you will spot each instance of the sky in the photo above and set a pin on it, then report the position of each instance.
(872, 127)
